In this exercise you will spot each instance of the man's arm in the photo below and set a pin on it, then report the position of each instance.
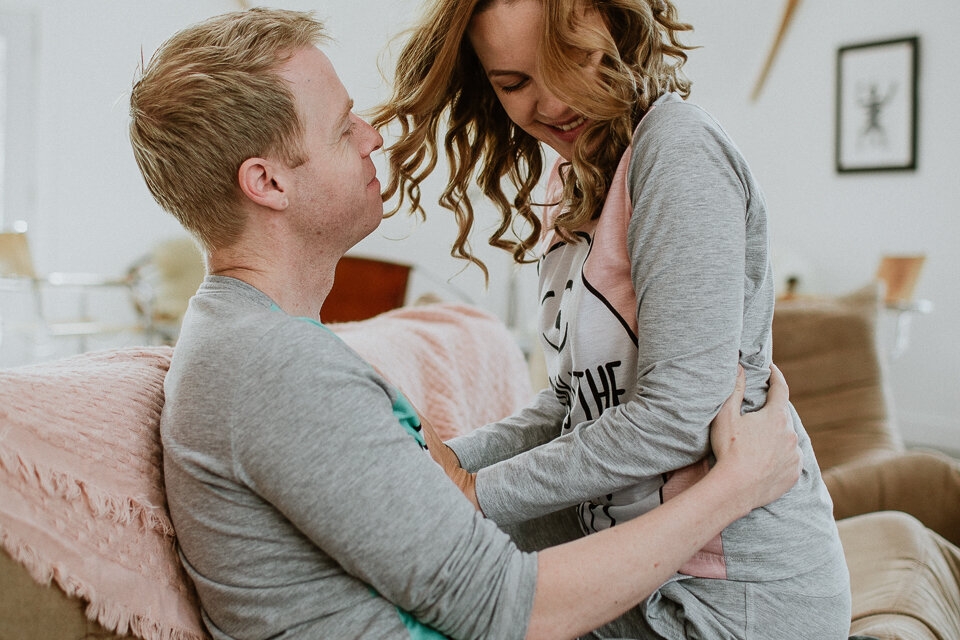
(348, 476)
(583, 584)
(320, 443)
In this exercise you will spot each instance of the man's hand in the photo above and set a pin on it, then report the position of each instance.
(447, 459)
(760, 449)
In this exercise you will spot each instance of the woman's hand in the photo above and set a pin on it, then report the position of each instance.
(440, 452)
(448, 461)
(759, 449)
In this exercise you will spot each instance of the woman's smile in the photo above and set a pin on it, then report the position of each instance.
(571, 129)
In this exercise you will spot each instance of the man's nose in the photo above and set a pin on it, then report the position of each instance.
(371, 138)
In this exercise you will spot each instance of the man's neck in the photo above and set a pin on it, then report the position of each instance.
(299, 286)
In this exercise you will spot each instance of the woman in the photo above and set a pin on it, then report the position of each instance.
(654, 282)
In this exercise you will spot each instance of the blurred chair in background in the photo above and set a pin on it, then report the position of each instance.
(31, 312)
(164, 280)
(158, 287)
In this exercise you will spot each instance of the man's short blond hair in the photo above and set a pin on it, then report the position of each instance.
(210, 98)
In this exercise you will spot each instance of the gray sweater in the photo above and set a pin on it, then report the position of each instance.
(303, 507)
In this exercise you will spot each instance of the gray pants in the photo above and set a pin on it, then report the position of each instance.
(688, 608)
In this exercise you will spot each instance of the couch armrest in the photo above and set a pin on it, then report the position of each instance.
(925, 484)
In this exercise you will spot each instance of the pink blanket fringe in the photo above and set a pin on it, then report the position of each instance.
(122, 510)
(111, 615)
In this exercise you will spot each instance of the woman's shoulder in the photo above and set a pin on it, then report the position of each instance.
(680, 134)
(672, 120)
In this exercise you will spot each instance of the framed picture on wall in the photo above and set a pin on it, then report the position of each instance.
(877, 106)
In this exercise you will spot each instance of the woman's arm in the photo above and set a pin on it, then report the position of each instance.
(585, 583)
(535, 424)
(690, 260)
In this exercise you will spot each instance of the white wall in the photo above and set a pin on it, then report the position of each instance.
(18, 184)
(837, 226)
(91, 211)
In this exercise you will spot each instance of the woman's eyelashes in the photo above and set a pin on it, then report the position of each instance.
(513, 87)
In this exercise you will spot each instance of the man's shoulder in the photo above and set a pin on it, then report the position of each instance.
(233, 363)
(253, 343)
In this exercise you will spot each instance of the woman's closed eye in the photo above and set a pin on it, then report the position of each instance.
(513, 87)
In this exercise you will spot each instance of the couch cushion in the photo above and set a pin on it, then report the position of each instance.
(905, 578)
(827, 350)
(29, 610)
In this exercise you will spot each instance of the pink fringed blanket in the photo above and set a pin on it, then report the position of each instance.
(81, 493)
(81, 497)
(458, 365)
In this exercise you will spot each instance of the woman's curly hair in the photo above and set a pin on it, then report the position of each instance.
(439, 84)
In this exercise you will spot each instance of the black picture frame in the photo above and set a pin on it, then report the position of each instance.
(877, 106)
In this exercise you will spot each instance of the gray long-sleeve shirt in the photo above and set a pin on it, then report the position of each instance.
(643, 322)
(302, 504)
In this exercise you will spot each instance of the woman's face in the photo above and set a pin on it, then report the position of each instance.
(505, 38)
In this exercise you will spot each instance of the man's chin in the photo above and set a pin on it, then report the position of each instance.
(375, 220)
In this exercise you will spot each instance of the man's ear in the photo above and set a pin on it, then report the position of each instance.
(264, 183)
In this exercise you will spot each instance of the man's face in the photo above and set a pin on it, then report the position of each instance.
(337, 194)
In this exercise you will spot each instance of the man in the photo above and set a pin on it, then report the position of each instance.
(304, 503)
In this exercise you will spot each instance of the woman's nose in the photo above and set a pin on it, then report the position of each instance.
(551, 107)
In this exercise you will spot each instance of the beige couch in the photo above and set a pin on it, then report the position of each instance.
(905, 569)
